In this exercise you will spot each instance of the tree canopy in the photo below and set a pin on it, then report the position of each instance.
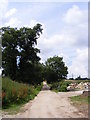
(56, 69)
(19, 54)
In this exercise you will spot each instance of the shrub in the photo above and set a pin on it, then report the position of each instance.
(63, 88)
(60, 86)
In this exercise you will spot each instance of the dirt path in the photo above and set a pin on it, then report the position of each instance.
(49, 104)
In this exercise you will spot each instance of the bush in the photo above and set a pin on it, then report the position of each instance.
(63, 88)
(60, 86)
(54, 86)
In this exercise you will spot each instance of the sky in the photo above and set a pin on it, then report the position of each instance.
(65, 29)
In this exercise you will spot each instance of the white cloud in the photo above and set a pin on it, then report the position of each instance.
(76, 24)
(33, 23)
(80, 63)
(6, 16)
(10, 12)
(75, 16)
(70, 36)
(8, 19)
(3, 8)
(54, 45)
(68, 39)
(3, 5)
(13, 22)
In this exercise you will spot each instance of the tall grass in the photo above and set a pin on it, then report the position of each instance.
(14, 92)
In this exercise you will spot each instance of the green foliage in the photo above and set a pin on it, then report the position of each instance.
(80, 98)
(13, 108)
(9, 50)
(63, 88)
(55, 69)
(60, 86)
(14, 92)
(20, 43)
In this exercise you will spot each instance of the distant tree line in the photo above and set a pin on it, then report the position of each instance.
(79, 78)
(20, 60)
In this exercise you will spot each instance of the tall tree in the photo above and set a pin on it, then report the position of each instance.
(28, 52)
(9, 51)
(57, 69)
(18, 51)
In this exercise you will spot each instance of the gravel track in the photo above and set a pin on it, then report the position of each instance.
(49, 104)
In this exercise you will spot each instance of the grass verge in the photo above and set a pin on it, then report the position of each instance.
(13, 109)
(15, 95)
(81, 103)
(81, 99)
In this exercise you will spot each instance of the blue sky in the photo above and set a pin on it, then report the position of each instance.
(65, 29)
